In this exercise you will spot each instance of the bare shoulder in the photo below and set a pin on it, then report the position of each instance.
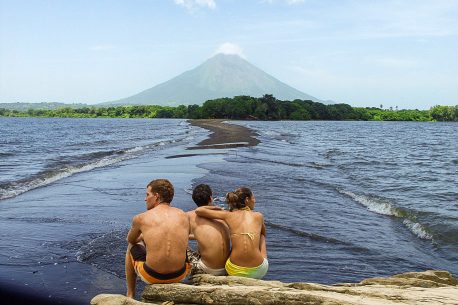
(258, 215)
(139, 217)
(180, 214)
(179, 211)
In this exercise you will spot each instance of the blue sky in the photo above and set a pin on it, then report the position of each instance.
(362, 52)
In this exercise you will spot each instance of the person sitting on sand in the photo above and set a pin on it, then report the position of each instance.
(212, 236)
(248, 257)
(157, 240)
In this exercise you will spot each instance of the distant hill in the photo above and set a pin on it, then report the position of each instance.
(27, 106)
(220, 76)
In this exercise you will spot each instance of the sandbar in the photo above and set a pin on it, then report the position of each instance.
(224, 135)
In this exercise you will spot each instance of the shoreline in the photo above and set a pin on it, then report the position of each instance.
(223, 135)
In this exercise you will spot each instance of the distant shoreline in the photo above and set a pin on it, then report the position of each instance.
(224, 135)
(266, 108)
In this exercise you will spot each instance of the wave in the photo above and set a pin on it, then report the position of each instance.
(103, 251)
(316, 237)
(384, 207)
(320, 165)
(86, 163)
(332, 152)
(7, 154)
(303, 233)
(314, 165)
(43, 220)
(275, 161)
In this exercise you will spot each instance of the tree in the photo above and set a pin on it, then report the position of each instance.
(443, 113)
(194, 112)
(271, 103)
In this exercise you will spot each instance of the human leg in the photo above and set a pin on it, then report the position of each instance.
(131, 276)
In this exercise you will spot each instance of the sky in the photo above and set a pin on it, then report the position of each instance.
(400, 53)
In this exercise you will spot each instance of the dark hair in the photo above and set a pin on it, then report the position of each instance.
(164, 188)
(202, 194)
(236, 199)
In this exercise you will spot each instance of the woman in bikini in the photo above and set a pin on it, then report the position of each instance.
(248, 256)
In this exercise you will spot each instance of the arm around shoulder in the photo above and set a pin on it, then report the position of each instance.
(211, 212)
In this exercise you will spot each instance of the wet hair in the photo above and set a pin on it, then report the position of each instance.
(202, 194)
(236, 199)
(164, 188)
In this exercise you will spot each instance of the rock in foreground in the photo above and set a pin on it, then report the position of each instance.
(429, 287)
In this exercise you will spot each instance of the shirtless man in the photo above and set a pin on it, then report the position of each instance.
(212, 235)
(157, 240)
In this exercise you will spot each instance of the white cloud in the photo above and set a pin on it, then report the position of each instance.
(192, 5)
(230, 48)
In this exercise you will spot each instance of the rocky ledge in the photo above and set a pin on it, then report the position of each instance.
(429, 287)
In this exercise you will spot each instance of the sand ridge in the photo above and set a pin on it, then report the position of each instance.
(224, 135)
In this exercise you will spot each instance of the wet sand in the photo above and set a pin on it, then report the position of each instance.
(224, 135)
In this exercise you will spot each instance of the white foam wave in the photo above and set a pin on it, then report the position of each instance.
(417, 229)
(271, 133)
(383, 207)
(17, 189)
(135, 149)
(56, 176)
(373, 204)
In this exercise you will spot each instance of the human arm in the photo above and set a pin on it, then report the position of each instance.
(263, 226)
(262, 245)
(135, 235)
(191, 217)
(213, 212)
(262, 240)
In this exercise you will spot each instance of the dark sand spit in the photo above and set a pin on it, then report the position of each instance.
(224, 135)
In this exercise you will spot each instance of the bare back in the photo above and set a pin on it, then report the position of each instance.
(245, 228)
(213, 240)
(165, 232)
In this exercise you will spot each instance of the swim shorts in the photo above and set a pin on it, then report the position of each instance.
(252, 272)
(202, 268)
(148, 275)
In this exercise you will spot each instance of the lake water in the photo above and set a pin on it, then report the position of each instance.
(342, 201)
(349, 200)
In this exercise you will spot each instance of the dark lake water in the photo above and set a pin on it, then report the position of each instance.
(342, 201)
(349, 200)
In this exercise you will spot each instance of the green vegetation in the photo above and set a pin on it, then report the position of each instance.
(247, 107)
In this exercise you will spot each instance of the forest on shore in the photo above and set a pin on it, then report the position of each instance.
(247, 108)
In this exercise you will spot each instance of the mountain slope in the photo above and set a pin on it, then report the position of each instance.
(219, 76)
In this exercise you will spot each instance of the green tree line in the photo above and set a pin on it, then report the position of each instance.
(247, 107)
